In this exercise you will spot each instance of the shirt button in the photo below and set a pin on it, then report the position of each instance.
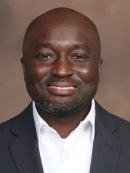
(67, 156)
(49, 129)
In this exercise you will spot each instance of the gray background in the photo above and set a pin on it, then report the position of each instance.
(112, 18)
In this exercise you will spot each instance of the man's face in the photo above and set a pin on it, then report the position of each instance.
(61, 69)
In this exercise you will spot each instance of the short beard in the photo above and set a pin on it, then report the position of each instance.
(83, 97)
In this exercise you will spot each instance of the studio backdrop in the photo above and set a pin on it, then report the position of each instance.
(112, 18)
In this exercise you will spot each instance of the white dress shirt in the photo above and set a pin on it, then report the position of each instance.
(70, 155)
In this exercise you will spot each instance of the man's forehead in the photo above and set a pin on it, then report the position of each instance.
(59, 21)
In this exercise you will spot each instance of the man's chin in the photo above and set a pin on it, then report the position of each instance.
(60, 108)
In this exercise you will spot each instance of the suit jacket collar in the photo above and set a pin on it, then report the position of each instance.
(25, 152)
(24, 149)
(106, 146)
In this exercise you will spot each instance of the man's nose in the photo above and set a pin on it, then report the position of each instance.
(62, 67)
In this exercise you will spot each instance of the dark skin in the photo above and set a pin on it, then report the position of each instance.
(65, 44)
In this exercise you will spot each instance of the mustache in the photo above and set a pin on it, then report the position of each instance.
(63, 79)
(45, 82)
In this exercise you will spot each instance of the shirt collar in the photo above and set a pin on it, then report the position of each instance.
(39, 122)
(90, 118)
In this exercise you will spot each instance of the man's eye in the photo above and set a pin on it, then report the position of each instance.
(44, 56)
(80, 57)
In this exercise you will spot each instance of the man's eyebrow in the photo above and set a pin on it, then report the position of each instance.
(42, 45)
(81, 46)
(76, 46)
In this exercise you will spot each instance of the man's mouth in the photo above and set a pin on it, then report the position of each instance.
(62, 88)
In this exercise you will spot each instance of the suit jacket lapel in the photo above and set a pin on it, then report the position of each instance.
(24, 149)
(106, 147)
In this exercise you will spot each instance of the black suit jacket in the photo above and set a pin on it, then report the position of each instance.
(19, 151)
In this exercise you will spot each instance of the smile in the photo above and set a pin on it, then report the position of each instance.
(62, 88)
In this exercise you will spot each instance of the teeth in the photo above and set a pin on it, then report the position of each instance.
(62, 88)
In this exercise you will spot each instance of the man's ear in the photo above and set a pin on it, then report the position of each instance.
(100, 61)
(23, 64)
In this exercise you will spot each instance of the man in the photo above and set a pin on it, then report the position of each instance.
(64, 130)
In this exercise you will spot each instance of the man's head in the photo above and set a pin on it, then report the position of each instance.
(61, 61)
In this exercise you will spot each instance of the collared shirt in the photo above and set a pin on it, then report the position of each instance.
(70, 155)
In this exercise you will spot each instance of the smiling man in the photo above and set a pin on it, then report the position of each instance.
(63, 130)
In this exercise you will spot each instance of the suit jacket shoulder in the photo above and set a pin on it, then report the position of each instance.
(22, 120)
(19, 152)
(111, 148)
